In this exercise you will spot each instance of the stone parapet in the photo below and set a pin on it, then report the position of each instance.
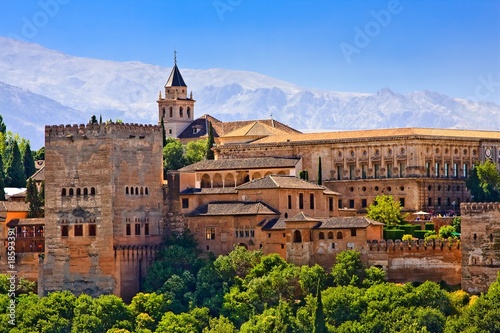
(421, 245)
(86, 131)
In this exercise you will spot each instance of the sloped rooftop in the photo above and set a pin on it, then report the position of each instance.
(342, 222)
(242, 163)
(234, 208)
(279, 181)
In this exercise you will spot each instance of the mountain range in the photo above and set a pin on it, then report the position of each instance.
(40, 86)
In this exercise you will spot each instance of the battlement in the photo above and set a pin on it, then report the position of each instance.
(420, 245)
(86, 131)
(479, 207)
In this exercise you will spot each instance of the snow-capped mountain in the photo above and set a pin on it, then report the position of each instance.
(39, 86)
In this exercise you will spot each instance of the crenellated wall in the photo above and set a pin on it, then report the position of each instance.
(418, 260)
(480, 245)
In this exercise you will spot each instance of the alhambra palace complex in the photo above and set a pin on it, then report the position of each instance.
(107, 203)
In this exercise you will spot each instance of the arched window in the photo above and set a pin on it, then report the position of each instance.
(126, 189)
(64, 231)
(339, 235)
(142, 191)
(92, 191)
(188, 112)
(297, 236)
(146, 191)
(181, 112)
(71, 192)
(330, 235)
(78, 191)
(171, 112)
(136, 191)
(63, 192)
(85, 191)
(164, 111)
(321, 235)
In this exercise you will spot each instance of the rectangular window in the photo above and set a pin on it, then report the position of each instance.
(289, 202)
(364, 168)
(351, 172)
(439, 202)
(247, 233)
(363, 203)
(78, 230)
(455, 170)
(402, 169)
(92, 230)
(446, 170)
(301, 200)
(429, 201)
(402, 202)
(311, 201)
(252, 233)
(389, 170)
(137, 229)
(340, 203)
(185, 203)
(437, 169)
(428, 169)
(236, 234)
(330, 204)
(128, 232)
(376, 170)
(241, 233)
(448, 201)
(351, 203)
(466, 170)
(64, 231)
(146, 229)
(353, 232)
(340, 171)
(210, 233)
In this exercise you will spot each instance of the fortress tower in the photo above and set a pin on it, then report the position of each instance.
(103, 207)
(176, 108)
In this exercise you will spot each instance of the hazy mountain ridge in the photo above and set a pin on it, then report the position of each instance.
(44, 86)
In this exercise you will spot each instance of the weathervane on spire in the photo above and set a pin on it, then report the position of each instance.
(175, 57)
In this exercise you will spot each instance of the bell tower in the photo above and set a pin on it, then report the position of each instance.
(175, 108)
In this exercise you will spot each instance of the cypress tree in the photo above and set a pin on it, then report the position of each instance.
(28, 162)
(33, 198)
(163, 133)
(15, 170)
(320, 172)
(3, 127)
(319, 316)
(210, 142)
(2, 183)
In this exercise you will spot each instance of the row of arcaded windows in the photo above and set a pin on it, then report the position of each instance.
(131, 190)
(181, 112)
(78, 230)
(297, 235)
(78, 191)
(137, 229)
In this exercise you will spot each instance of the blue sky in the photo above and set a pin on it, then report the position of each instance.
(452, 47)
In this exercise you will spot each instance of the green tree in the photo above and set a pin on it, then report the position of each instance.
(319, 315)
(2, 183)
(39, 154)
(348, 269)
(33, 198)
(3, 127)
(309, 277)
(446, 231)
(343, 303)
(386, 210)
(187, 322)
(93, 120)
(173, 155)
(209, 153)
(195, 151)
(163, 133)
(373, 275)
(220, 325)
(15, 170)
(456, 223)
(320, 172)
(28, 162)
(484, 182)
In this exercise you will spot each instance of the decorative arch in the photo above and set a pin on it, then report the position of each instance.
(256, 175)
(229, 180)
(85, 191)
(78, 191)
(268, 173)
(340, 235)
(181, 112)
(188, 112)
(321, 235)
(282, 173)
(205, 181)
(297, 236)
(71, 191)
(330, 235)
(92, 191)
(217, 180)
(63, 192)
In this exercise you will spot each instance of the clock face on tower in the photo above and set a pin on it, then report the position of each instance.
(487, 152)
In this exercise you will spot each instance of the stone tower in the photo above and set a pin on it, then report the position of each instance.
(176, 108)
(103, 207)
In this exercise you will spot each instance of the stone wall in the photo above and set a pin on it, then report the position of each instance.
(480, 245)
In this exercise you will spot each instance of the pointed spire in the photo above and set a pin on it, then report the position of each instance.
(175, 57)
(175, 79)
